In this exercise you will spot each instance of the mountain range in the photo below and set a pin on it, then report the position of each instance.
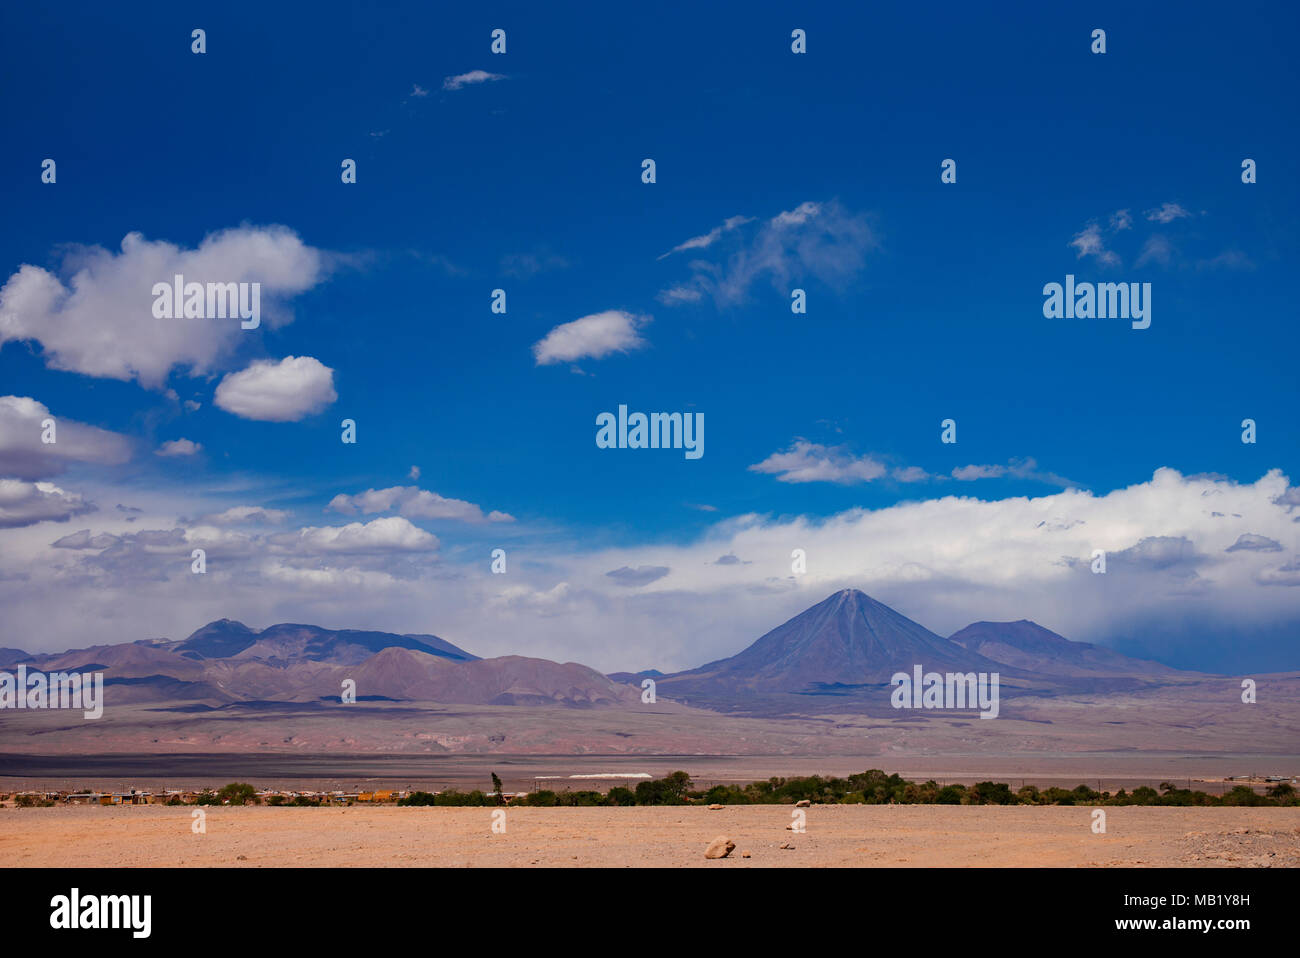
(227, 662)
(841, 650)
(845, 649)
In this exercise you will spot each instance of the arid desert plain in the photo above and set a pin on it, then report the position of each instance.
(259, 711)
(667, 837)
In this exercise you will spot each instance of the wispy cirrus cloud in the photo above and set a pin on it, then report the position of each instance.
(973, 472)
(1228, 259)
(528, 265)
(1093, 240)
(1166, 213)
(1015, 469)
(1157, 249)
(706, 240)
(806, 461)
(819, 241)
(472, 78)
(676, 295)
(1089, 242)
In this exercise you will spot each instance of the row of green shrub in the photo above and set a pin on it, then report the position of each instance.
(872, 787)
(876, 788)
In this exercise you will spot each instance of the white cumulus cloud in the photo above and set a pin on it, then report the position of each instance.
(414, 503)
(178, 447)
(27, 503)
(591, 337)
(24, 455)
(386, 535)
(96, 315)
(292, 389)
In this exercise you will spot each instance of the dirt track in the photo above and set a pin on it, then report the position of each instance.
(843, 835)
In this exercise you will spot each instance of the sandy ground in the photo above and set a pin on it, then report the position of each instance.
(837, 835)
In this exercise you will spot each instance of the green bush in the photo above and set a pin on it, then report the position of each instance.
(671, 790)
(950, 795)
(992, 793)
(1243, 795)
(418, 798)
(237, 793)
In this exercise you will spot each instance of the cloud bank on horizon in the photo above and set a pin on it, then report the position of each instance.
(1198, 547)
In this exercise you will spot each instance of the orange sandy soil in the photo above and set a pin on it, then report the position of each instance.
(837, 835)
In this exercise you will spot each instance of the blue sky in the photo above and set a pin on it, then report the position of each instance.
(924, 298)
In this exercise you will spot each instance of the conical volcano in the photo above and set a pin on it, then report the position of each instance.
(847, 639)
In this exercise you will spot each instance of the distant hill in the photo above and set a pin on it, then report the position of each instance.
(635, 677)
(508, 680)
(289, 642)
(217, 640)
(11, 657)
(1027, 645)
(226, 662)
